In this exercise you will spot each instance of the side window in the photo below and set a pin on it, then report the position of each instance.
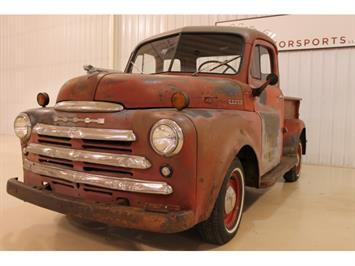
(255, 66)
(261, 64)
(175, 67)
(145, 63)
(265, 62)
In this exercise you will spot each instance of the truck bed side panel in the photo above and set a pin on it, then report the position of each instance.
(293, 126)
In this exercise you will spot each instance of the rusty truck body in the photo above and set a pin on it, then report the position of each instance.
(171, 142)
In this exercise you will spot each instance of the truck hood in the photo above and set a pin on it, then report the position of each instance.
(153, 91)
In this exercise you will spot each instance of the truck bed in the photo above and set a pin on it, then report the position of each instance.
(292, 105)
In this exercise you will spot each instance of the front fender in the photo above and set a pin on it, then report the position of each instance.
(220, 136)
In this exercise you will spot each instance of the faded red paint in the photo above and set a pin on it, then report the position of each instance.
(140, 121)
(221, 119)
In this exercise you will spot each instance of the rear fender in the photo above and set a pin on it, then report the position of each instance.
(294, 131)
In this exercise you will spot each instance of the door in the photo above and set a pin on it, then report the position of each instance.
(269, 105)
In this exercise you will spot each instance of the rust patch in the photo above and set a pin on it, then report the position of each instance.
(271, 133)
(230, 91)
(210, 99)
(199, 112)
(109, 213)
(262, 97)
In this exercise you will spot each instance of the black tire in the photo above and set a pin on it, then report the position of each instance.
(294, 174)
(221, 226)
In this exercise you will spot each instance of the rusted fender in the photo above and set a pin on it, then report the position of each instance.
(294, 129)
(221, 135)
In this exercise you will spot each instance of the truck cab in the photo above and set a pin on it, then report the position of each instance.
(171, 142)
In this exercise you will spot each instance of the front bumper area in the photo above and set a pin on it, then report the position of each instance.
(109, 213)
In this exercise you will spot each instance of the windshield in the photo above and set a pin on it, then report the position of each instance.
(192, 53)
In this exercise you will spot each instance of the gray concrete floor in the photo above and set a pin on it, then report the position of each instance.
(315, 213)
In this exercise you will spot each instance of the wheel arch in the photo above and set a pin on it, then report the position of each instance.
(303, 140)
(249, 161)
(295, 131)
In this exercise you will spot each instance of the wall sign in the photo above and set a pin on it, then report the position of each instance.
(300, 32)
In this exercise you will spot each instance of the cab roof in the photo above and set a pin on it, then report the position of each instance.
(249, 35)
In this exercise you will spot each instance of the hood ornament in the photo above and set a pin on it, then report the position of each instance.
(90, 69)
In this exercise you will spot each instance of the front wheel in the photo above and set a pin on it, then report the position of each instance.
(225, 218)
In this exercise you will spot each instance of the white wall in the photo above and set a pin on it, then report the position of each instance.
(325, 81)
(39, 53)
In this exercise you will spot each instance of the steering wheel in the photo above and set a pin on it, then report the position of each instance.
(228, 66)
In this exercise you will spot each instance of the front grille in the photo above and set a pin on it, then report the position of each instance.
(94, 161)
(85, 144)
(116, 147)
(106, 145)
(55, 161)
(53, 146)
(106, 170)
(80, 178)
(59, 141)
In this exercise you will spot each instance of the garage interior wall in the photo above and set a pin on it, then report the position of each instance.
(39, 53)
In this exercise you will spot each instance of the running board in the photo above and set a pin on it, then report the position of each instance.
(286, 164)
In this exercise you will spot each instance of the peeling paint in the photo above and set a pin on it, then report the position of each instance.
(271, 139)
(199, 112)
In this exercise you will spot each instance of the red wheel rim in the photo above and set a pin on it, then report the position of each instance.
(233, 200)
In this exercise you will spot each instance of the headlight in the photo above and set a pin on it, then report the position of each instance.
(166, 137)
(22, 126)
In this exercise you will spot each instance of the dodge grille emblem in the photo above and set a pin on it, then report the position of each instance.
(85, 120)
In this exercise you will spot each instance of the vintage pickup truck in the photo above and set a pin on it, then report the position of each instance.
(171, 142)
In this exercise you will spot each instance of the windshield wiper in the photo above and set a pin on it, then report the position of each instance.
(225, 62)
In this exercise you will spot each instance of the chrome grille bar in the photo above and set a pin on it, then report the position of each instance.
(84, 133)
(124, 184)
(119, 160)
(88, 106)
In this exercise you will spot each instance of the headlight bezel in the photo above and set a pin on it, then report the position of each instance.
(28, 126)
(179, 136)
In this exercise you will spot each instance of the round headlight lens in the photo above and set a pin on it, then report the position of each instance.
(166, 137)
(22, 126)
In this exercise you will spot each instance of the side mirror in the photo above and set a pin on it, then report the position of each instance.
(271, 79)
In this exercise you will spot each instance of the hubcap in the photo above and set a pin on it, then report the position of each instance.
(230, 200)
(233, 200)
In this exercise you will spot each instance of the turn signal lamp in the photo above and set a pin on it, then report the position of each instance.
(42, 99)
(180, 100)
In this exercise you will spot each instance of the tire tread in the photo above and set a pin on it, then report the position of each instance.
(212, 230)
